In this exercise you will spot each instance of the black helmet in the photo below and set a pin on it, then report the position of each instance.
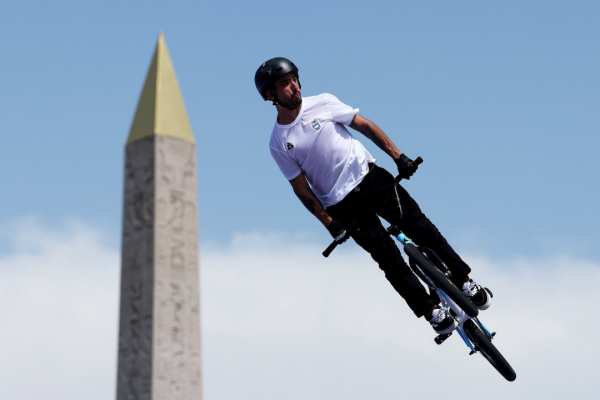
(269, 72)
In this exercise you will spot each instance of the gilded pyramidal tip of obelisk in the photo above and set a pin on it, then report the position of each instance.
(161, 110)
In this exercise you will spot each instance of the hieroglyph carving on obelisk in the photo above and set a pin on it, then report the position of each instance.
(159, 330)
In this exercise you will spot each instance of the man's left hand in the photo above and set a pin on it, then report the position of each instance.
(406, 166)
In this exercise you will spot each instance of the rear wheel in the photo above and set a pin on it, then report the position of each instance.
(483, 344)
(441, 280)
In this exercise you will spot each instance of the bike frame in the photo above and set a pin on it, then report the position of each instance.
(447, 302)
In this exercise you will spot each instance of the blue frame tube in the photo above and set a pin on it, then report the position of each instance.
(465, 339)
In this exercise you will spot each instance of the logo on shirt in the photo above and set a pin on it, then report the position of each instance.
(316, 125)
(289, 146)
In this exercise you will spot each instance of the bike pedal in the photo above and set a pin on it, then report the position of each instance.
(441, 338)
(472, 352)
(493, 334)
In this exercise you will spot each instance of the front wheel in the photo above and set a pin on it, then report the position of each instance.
(441, 280)
(483, 344)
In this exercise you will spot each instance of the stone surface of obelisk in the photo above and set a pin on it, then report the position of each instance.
(159, 326)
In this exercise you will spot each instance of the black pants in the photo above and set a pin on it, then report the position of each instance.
(375, 197)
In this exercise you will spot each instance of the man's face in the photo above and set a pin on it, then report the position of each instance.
(288, 90)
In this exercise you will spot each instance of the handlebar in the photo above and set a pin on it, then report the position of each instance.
(334, 244)
(330, 248)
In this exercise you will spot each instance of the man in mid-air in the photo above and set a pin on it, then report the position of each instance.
(338, 181)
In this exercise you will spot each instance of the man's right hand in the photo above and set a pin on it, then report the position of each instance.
(338, 231)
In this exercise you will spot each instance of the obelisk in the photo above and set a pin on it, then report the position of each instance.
(159, 329)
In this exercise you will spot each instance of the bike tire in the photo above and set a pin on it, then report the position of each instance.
(441, 280)
(483, 344)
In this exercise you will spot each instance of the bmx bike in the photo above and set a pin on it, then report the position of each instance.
(432, 271)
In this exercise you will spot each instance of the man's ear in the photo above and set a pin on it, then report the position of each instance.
(268, 94)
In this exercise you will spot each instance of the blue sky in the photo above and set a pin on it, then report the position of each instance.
(499, 98)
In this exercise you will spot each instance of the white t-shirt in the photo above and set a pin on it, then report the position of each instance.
(318, 144)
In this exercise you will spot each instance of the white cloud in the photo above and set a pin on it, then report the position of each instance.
(334, 328)
(58, 305)
(282, 322)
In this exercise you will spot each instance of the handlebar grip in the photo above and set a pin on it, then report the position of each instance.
(417, 161)
(330, 248)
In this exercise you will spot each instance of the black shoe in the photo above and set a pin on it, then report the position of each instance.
(480, 296)
(441, 321)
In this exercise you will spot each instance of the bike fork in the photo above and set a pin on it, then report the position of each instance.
(466, 340)
(490, 334)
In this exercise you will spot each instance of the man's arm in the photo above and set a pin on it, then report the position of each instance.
(373, 132)
(308, 198)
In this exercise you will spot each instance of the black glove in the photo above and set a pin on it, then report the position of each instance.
(406, 166)
(338, 231)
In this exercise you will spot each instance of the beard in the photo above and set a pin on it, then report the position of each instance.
(294, 102)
